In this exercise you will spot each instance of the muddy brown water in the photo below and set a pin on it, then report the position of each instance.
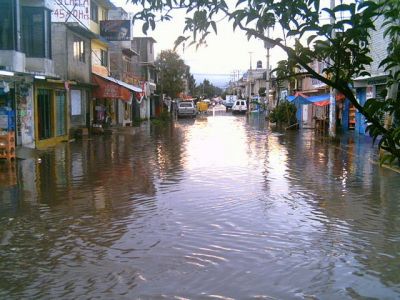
(216, 207)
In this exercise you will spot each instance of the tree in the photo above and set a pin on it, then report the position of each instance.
(342, 44)
(172, 70)
(207, 89)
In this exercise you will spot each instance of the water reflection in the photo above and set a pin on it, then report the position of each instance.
(220, 206)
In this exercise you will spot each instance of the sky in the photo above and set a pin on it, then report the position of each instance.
(226, 54)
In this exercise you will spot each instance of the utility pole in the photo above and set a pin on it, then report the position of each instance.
(249, 81)
(266, 102)
(332, 98)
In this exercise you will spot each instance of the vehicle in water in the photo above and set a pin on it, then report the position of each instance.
(186, 108)
(229, 101)
(240, 106)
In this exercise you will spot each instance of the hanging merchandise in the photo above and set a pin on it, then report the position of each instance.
(5, 87)
(142, 95)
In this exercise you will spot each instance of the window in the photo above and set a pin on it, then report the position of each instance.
(104, 58)
(126, 64)
(79, 49)
(60, 113)
(94, 12)
(7, 28)
(103, 15)
(36, 32)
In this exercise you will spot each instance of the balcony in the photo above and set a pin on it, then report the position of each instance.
(12, 60)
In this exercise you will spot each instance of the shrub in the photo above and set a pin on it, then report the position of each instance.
(285, 112)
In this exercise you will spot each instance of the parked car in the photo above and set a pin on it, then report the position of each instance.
(240, 106)
(186, 108)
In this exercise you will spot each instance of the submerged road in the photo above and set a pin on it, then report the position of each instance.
(217, 207)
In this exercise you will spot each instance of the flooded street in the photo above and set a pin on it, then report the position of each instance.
(216, 207)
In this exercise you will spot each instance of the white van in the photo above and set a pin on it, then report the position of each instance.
(239, 106)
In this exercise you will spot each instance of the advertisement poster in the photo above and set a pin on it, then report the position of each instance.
(116, 30)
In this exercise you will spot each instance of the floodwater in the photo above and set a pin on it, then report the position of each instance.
(220, 207)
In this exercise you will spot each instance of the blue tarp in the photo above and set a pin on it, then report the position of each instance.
(319, 98)
(298, 100)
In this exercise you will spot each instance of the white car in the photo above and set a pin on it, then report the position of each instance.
(186, 108)
(239, 106)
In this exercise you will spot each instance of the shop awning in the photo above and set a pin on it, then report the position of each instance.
(318, 100)
(109, 87)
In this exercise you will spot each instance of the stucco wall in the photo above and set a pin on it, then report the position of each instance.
(12, 60)
(378, 48)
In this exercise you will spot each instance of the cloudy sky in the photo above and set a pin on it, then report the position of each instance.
(226, 53)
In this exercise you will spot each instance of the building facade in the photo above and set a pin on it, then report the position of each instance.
(373, 86)
(144, 68)
(31, 91)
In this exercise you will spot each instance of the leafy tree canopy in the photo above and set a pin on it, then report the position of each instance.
(342, 42)
(172, 70)
(207, 90)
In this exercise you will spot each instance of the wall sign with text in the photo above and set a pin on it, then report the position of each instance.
(71, 11)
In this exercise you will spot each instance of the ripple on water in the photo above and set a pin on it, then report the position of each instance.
(214, 209)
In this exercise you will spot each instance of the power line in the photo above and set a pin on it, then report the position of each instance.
(214, 74)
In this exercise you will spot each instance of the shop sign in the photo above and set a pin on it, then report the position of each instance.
(71, 11)
(317, 83)
(111, 90)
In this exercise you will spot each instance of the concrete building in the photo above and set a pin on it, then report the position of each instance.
(121, 68)
(144, 69)
(375, 85)
(113, 97)
(30, 92)
(72, 55)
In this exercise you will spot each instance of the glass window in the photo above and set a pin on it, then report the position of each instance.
(7, 29)
(104, 58)
(60, 113)
(36, 32)
(187, 104)
(94, 12)
(79, 49)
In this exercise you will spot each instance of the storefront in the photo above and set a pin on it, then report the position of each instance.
(366, 88)
(311, 109)
(51, 112)
(112, 101)
(16, 107)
